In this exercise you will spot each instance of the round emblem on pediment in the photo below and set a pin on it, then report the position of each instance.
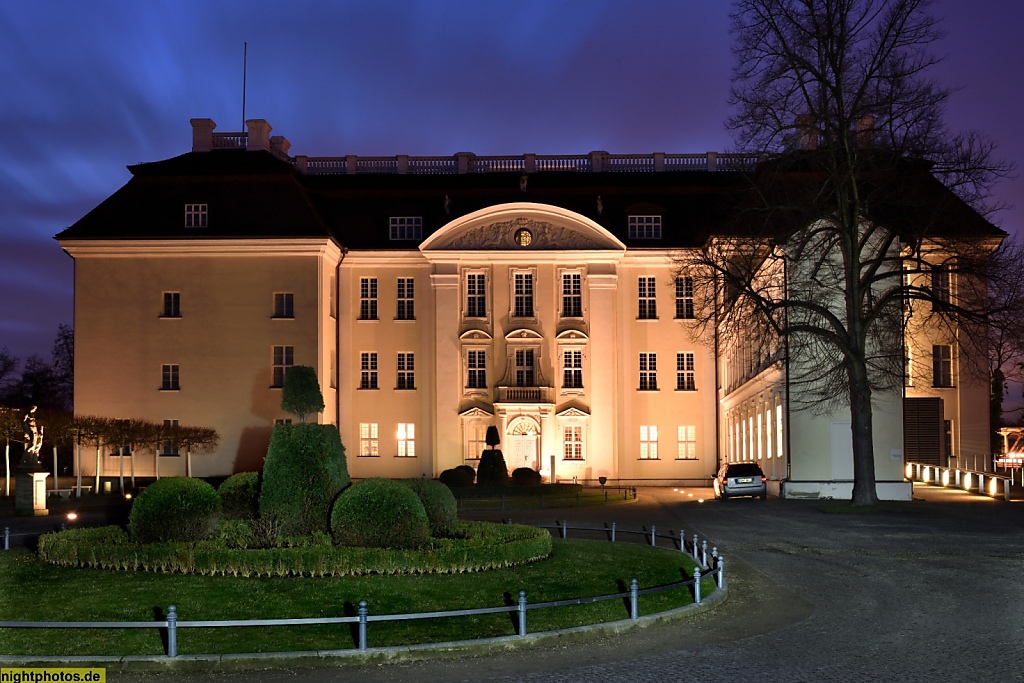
(523, 237)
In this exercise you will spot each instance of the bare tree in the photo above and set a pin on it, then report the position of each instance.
(860, 200)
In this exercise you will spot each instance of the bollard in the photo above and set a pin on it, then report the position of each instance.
(714, 556)
(682, 541)
(363, 612)
(7, 538)
(634, 589)
(172, 631)
(721, 572)
(696, 585)
(1006, 490)
(522, 613)
(654, 542)
(704, 552)
(695, 546)
(613, 532)
(565, 529)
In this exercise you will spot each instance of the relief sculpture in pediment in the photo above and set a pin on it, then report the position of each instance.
(501, 235)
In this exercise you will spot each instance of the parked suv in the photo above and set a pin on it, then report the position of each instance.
(740, 479)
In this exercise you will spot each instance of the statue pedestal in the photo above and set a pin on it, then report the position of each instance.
(30, 494)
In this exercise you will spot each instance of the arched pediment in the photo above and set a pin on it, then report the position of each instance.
(476, 335)
(572, 336)
(522, 334)
(522, 226)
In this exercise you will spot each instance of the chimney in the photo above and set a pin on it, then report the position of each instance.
(202, 134)
(259, 135)
(808, 132)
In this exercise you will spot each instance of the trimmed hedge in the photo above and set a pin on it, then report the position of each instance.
(524, 476)
(304, 472)
(379, 513)
(240, 496)
(174, 509)
(457, 477)
(492, 470)
(440, 505)
(481, 546)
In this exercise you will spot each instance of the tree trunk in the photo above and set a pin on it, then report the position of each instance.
(864, 492)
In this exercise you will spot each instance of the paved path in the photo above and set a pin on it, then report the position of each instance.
(935, 595)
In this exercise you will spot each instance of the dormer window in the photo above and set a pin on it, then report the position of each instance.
(406, 227)
(195, 215)
(645, 227)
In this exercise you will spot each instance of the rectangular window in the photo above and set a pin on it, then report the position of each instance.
(405, 310)
(645, 227)
(941, 287)
(942, 365)
(284, 358)
(686, 439)
(476, 295)
(368, 370)
(406, 227)
(646, 299)
(169, 378)
(572, 369)
(476, 369)
(283, 421)
(406, 440)
(572, 438)
(284, 305)
(948, 428)
(523, 300)
(648, 372)
(524, 368)
(684, 298)
(778, 431)
(169, 445)
(648, 442)
(476, 440)
(686, 377)
(369, 442)
(368, 298)
(172, 305)
(572, 295)
(406, 375)
(195, 215)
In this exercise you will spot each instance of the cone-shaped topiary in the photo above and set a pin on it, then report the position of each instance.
(379, 513)
(492, 470)
(240, 496)
(174, 509)
(441, 507)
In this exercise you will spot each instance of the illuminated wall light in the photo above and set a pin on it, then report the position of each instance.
(993, 486)
(908, 471)
(72, 516)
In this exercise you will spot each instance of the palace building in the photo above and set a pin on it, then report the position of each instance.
(437, 296)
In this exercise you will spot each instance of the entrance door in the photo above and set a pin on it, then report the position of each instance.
(522, 451)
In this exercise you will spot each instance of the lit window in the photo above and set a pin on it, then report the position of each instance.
(572, 438)
(406, 440)
(476, 295)
(686, 438)
(284, 358)
(195, 215)
(572, 295)
(648, 442)
(406, 227)
(406, 376)
(572, 369)
(368, 298)
(476, 440)
(685, 374)
(646, 299)
(942, 365)
(476, 369)
(684, 298)
(368, 370)
(369, 442)
(169, 378)
(645, 227)
(172, 305)
(405, 309)
(284, 305)
(648, 372)
(169, 444)
(523, 298)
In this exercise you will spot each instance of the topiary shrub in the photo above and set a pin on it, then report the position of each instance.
(300, 394)
(304, 472)
(379, 513)
(240, 496)
(457, 477)
(440, 505)
(468, 471)
(524, 476)
(492, 470)
(174, 509)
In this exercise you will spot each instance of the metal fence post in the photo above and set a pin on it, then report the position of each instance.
(714, 556)
(682, 541)
(172, 631)
(363, 612)
(565, 529)
(704, 551)
(7, 538)
(654, 541)
(721, 572)
(695, 546)
(613, 532)
(522, 613)
(696, 585)
(633, 594)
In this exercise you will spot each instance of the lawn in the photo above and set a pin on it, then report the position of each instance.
(31, 590)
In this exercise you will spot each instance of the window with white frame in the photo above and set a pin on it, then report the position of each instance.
(684, 298)
(368, 298)
(406, 374)
(644, 227)
(942, 287)
(195, 215)
(476, 439)
(406, 440)
(572, 442)
(172, 305)
(405, 309)
(406, 227)
(476, 295)
(686, 376)
(169, 444)
(284, 305)
(648, 442)
(525, 375)
(648, 372)
(572, 369)
(686, 442)
(572, 295)
(647, 302)
(476, 369)
(942, 365)
(169, 376)
(369, 441)
(368, 370)
(522, 297)
(283, 358)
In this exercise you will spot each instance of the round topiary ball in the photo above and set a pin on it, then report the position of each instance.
(457, 477)
(240, 496)
(379, 513)
(441, 507)
(174, 509)
(525, 476)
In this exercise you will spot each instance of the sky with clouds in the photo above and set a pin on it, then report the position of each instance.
(91, 87)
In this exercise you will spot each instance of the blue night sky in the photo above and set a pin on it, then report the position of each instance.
(90, 87)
